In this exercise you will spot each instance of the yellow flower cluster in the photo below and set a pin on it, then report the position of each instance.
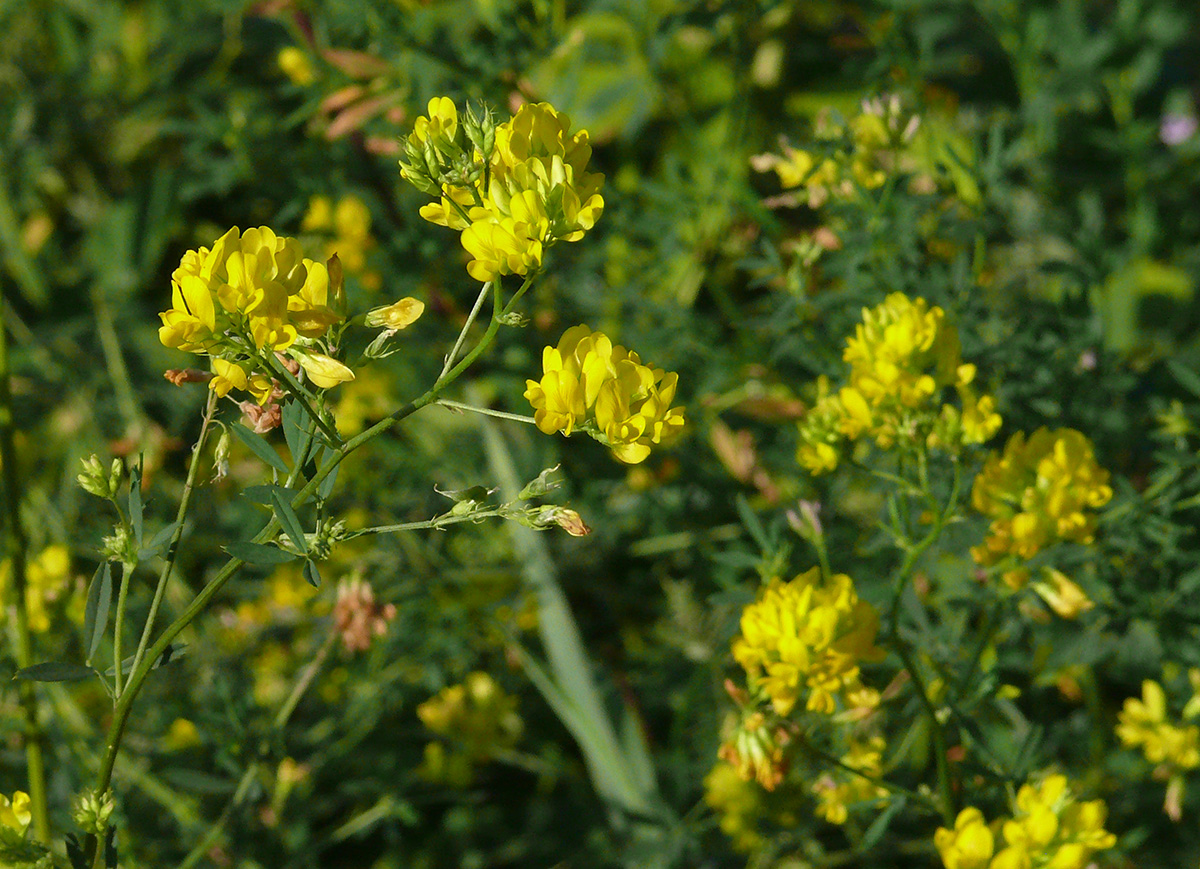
(14, 817)
(738, 803)
(1163, 739)
(47, 579)
(592, 385)
(249, 296)
(1038, 491)
(902, 356)
(839, 789)
(349, 222)
(478, 719)
(807, 637)
(1049, 829)
(513, 189)
(855, 156)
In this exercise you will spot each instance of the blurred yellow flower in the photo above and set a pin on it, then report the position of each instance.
(1062, 595)
(296, 65)
(349, 224)
(477, 717)
(804, 639)
(593, 385)
(1037, 492)
(47, 579)
(837, 789)
(14, 817)
(738, 804)
(969, 845)
(1163, 738)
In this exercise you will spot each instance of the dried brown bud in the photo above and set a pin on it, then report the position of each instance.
(180, 376)
(261, 420)
(356, 615)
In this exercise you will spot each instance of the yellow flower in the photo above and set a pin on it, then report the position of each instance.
(1053, 828)
(14, 817)
(324, 371)
(902, 358)
(349, 222)
(1037, 492)
(969, 845)
(737, 802)
(477, 717)
(397, 316)
(589, 383)
(1163, 739)
(807, 637)
(47, 578)
(296, 65)
(838, 789)
(181, 735)
(536, 189)
(229, 375)
(1063, 596)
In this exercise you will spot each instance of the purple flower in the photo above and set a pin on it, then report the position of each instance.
(1176, 129)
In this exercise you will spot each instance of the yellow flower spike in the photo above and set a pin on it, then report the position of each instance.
(324, 371)
(397, 316)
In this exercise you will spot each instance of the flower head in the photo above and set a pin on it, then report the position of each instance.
(805, 639)
(589, 383)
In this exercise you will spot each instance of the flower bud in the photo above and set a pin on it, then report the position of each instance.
(120, 546)
(92, 811)
(325, 371)
(564, 518)
(221, 456)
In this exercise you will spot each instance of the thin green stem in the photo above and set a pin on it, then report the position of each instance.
(517, 296)
(16, 547)
(138, 676)
(119, 627)
(301, 395)
(462, 335)
(945, 787)
(181, 514)
(436, 522)
(487, 411)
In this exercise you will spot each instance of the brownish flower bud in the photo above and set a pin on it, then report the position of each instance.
(356, 615)
(180, 376)
(261, 420)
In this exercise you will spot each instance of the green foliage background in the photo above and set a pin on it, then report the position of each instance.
(1067, 250)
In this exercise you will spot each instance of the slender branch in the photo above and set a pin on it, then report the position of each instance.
(119, 627)
(301, 395)
(462, 335)
(184, 503)
(435, 522)
(487, 411)
(16, 548)
(138, 676)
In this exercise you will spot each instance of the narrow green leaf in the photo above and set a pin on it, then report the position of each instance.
(294, 425)
(135, 500)
(753, 525)
(156, 543)
(257, 553)
(264, 493)
(259, 447)
(1188, 378)
(55, 671)
(99, 600)
(311, 573)
(326, 487)
(880, 824)
(290, 522)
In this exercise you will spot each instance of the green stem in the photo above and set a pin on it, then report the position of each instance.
(301, 395)
(184, 502)
(119, 627)
(303, 683)
(138, 676)
(487, 411)
(462, 335)
(945, 788)
(16, 548)
(436, 522)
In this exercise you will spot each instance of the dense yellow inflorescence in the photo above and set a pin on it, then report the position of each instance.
(249, 296)
(1049, 829)
(1039, 491)
(1163, 738)
(902, 358)
(590, 384)
(512, 189)
(804, 640)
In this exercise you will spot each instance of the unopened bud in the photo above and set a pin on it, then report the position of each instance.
(540, 486)
(92, 811)
(565, 518)
(99, 482)
(221, 456)
(120, 546)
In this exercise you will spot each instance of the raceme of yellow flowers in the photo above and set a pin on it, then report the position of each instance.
(480, 718)
(1049, 828)
(839, 788)
(590, 384)
(902, 357)
(1038, 491)
(804, 640)
(513, 189)
(1166, 740)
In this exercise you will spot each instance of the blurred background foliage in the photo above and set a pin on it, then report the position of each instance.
(1056, 223)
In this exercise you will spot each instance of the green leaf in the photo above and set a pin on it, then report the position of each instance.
(290, 522)
(265, 493)
(257, 553)
(135, 500)
(311, 573)
(1188, 378)
(55, 671)
(259, 447)
(172, 651)
(99, 599)
(157, 542)
(295, 430)
(880, 824)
